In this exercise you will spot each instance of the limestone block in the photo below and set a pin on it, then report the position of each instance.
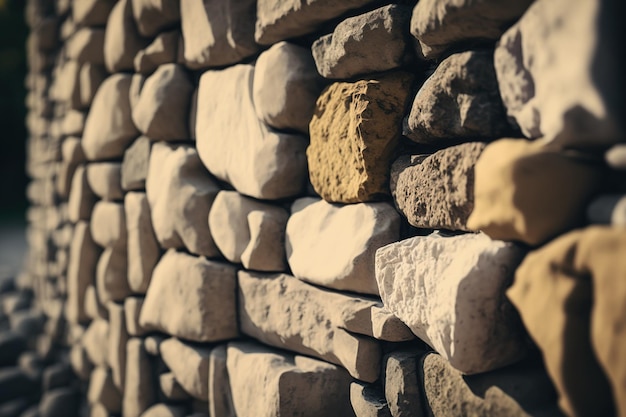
(164, 410)
(201, 294)
(80, 271)
(118, 337)
(248, 231)
(73, 123)
(217, 33)
(573, 281)
(371, 42)
(91, 12)
(86, 45)
(143, 247)
(238, 148)
(436, 191)
(334, 246)
(554, 46)
(163, 106)
(132, 310)
(108, 224)
(268, 383)
(527, 192)
(122, 40)
(111, 281)
(453, 302)
(220, 399)
(153, 16)
(102, 391)
(441, 24)
(292, 18)
(109, 128)
(367, 401)
(162, 50)
(135, 165)
(402, 384)
(285, 86)
(189, 364)
(616, 157)
(354, 134)
(90, 77)
(139, 391)
(180, 193)
(386, 326)
(95, 342)
(308, 320)
(460, 101)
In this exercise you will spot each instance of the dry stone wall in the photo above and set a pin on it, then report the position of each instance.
(322, 208)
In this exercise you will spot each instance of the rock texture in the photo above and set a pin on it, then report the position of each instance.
(122, 39)
(366, 401)
(80, 271)
(135, 165)
(153, 17)
(81, 198)
(111, 281)
(139, 393)
(108, 224)
(104, 180)
(189, 364)
(162, 50)
(354, 134)
(402, 384)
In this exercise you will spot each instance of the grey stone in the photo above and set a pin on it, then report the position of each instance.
(402, 383)
(220, 398)
(139, 390)
(143, 247)
(368, 401)
(162, 50)
(135, 165)
(153, 17)
(122, 39)
(189, 364)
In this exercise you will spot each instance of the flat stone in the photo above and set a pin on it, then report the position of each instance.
(368, 401)
(309, 321)
(238, 148)
(371, 42)
(162, 110)
(285, 86)
(334, 246)
(460, 101)
(402, 384)
(122, 39)
(164, 410)
(171, 389)
(248, 231)
(354, 134)
(81, 198)
(132, 311)
(90, 77)
(536, 72)
(60, 402)
(102, 391)
(268, 383)
(139, 391)
(81, 271)
(135, 165)
(292, 18)
(441, 24)
(111, 281)
(616, 157)
(180, 193)
(109, 128)
(91, 12)
(143, 247)
(153, 17)
(220, 399)
(95, 342)
(108, 224)
(162, 50)
(526, 192)
(436, 191)
(118, 336)
(86, 45)
(201, 294)
(453, 302)
(189, 364)
(217, 34)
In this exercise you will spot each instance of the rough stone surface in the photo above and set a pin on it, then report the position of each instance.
(139, 391)
(436, 191)
(122, 40)
(80, 271)
(267, 383)
(111, 281)
(220, 398)
(524, 191)
(108, 224)
(162, 50)
(249, 232)
(454, 302)
(189, 364)
(81, 198)
(555, 46)
(238, 148)
(143, 247)
(86, 45)
(441, 24)
(153, 16)
(109, 128)
(135, 165)
(371, 42)
(282, 311)
(334, 246)
(367, 401)
(286, 86)
(217, 33)
(354, 133)
(401, 382)
(118, 337)
(460, 101)
(202, 292)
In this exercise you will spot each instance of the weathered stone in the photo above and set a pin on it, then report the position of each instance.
(122, 40)
(180, 193)
(460, 101)
(162, 50)
(86, 45)
(80, 272)
(217, 33)
(162, 109)
(572, 281)
(80, 362)
(102, 391)
(537, 68)
(292, 18)
(164, 410)
(104, 180)
(386, 326)
(143, 247)
(109, 128)
(367, 401)
(139, 391)
(132, 311)
(91, 12)
(90, 77)
(354, 134)
(201, 294)
(108, 224)
(334, 245)
(220, 398)
(524, 191)
(608, 209)
(286, 86)
(270, 383)
(616, 157)
(371, 42)
(189, 364)
(73, 123)
(248, 231)
(238, 148)
(60, 402)
(118, 336)
(450, 292)
(441, 24)
(309, 320)
(94, 341)
(152, 343)
(436, 191)
(135, 164)
(401, 382)
(111, 281)
(81, 198)
(93, 307)
(154, 16)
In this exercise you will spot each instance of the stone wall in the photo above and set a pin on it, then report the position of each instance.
(323, 208)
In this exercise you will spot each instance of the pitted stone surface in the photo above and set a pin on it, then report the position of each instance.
(190, 365)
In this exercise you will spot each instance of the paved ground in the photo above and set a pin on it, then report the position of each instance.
(12, 247)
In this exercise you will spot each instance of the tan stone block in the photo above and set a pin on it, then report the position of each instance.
(80, 272)
(105, 180)
(189, 364)
(111, 280)
(143, 247)
(139, 391)
(108, 224)
(122, 40)
(118, 336)
(81, 198)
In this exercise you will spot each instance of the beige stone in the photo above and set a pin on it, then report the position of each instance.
(111, 281)
(104, 180)
(135, 165)
(354, 134)
(153, 16)
(93, 307)
(80, 272)
(118, 337)
(220, 398)
(139, 392)
(171, 389)
(367, 401)
(81, 198)
(86, 45)
(90, 77)
(122, 39)
(91, 12)
(162, 50)
(401, 382)
(95, 342)
(81, 365)
(143, 247)
(102, 391)
(108, 224)
(164, 410)
(189, 364)
(132, 311)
